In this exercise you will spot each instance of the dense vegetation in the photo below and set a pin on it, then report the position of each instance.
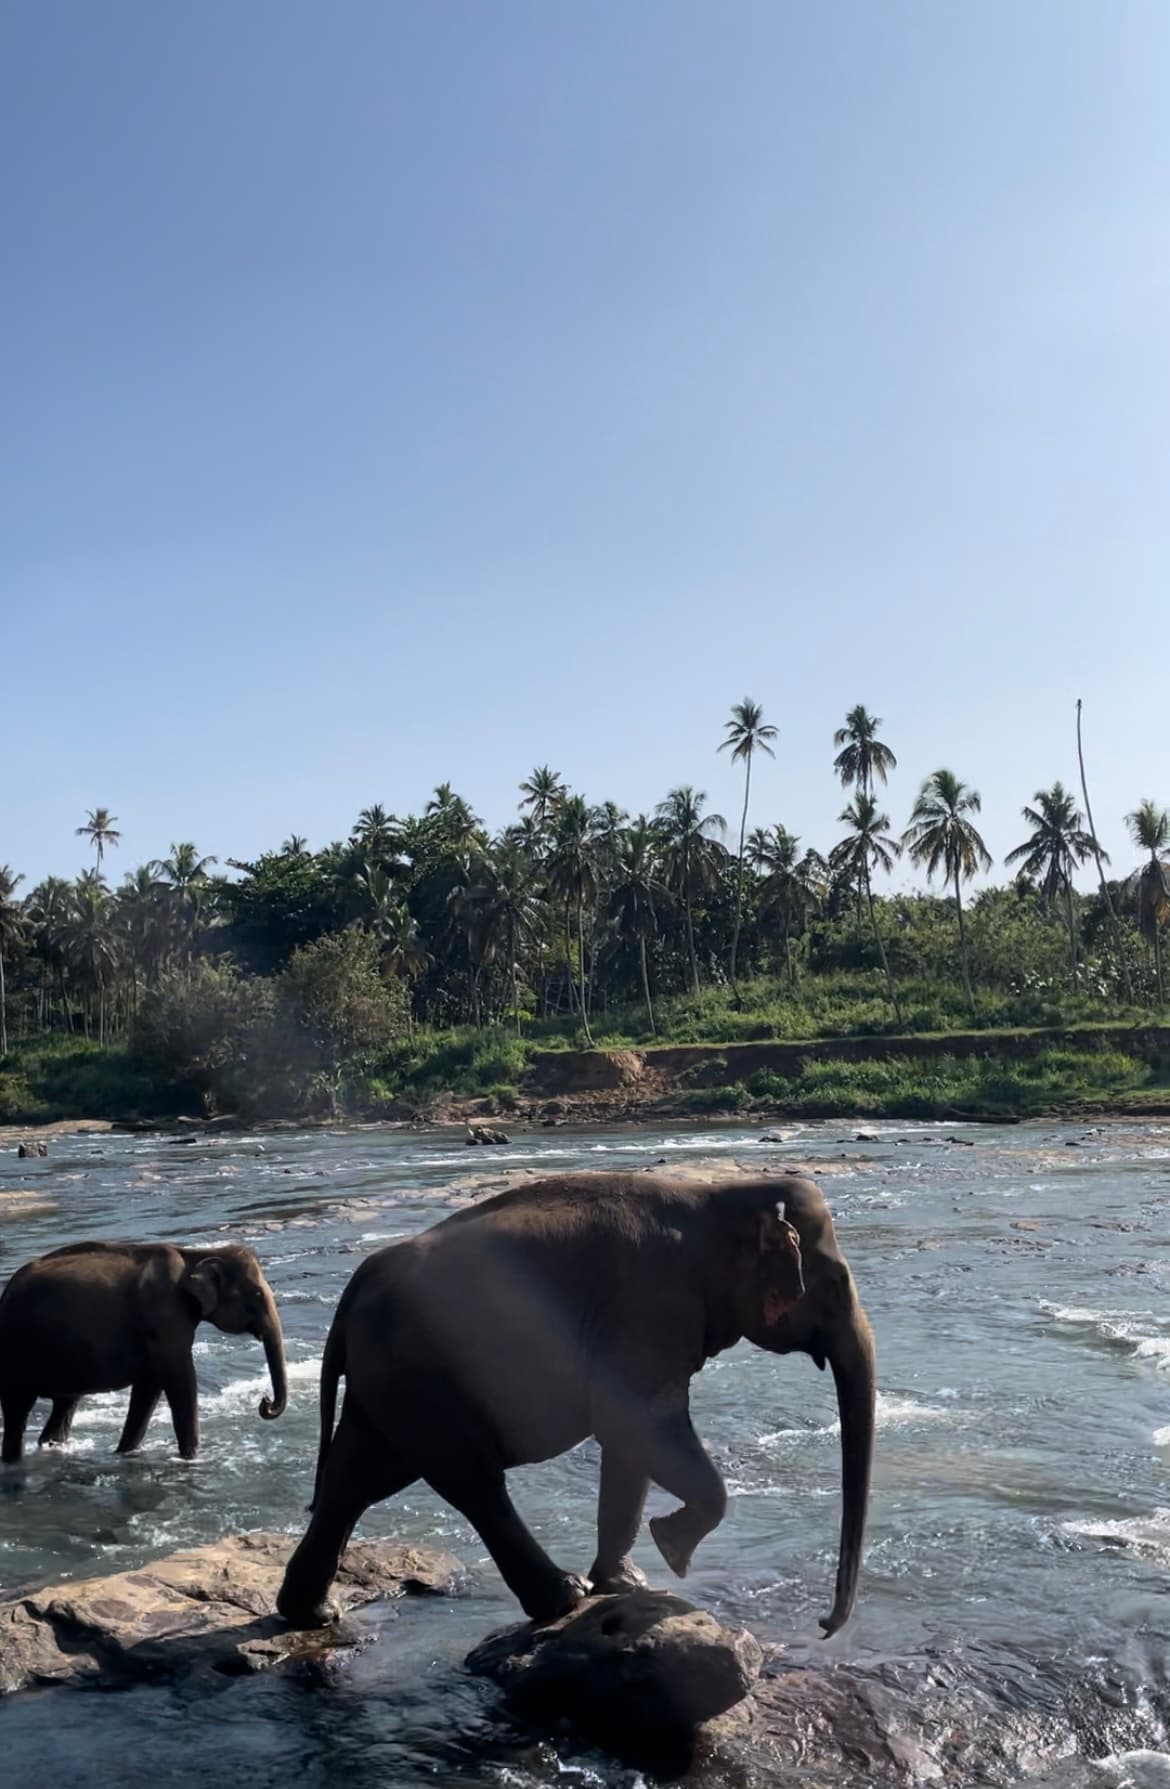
(400, 957)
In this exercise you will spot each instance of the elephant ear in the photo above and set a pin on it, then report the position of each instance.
(776, 1233)
(201, 1280)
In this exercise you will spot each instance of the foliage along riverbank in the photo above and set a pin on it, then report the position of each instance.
(976, 1075)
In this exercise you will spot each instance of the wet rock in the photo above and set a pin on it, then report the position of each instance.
(641, 1663)
(211, 1608)
(774, 1136)
(867, 1136)
(485, 1133)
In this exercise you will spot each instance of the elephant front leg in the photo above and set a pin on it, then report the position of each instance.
(183, 1397)
(56, 1431)
(144, 1397)
(542, 1589)
(621, 1499)
(677, 1460)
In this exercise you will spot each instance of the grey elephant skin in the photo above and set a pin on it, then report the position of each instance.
(567, 1308)
(97, 1317)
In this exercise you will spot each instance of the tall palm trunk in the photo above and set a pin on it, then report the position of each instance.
(581, 970)
(3, 1008)
(894, 1001)
(646, 982)
(788, 964)
(1118, 941)
(569, 953)
(1157, 931)
(747, 789)
(686, 882)
(963, 944)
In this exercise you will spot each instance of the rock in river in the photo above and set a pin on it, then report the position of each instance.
(211, 1607)
(640, 1662)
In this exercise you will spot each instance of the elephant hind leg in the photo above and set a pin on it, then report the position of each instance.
(60, 1422)
(16, 1407)
(360, 1468)
(677, 1460)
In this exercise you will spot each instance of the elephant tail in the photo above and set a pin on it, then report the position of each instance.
(332, 1369)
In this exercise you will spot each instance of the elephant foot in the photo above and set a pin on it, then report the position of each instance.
(559, 1598)
(311, 1615)
(669, 1538)
(624, 1576)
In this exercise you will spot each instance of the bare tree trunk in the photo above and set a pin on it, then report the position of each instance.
(963, 945)
(1118, 940)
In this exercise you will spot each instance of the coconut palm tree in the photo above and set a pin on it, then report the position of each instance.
(1149, 828)
(47, 909)
(296, 845)
(12, 925)
(941, 836)
(375, 833)
(747, 733)
(635, 895)
(861, 756)
(784, 890)
(540, 794)
(573, 878)
(1050, 854)
(99, 830)
(868, 845)
(90, 942)
(687, 835)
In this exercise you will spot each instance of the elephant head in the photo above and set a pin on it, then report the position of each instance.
(231, 1292)
(797, 1295)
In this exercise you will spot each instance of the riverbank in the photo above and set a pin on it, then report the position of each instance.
(992, 1076)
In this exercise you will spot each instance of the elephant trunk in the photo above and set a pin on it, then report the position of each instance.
(852, 1360)
(269, 1333)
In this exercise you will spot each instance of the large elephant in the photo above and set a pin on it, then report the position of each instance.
(97, 1316)
(574, 1307)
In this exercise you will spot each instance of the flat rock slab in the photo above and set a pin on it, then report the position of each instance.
(641, 1662)
(212, 1608)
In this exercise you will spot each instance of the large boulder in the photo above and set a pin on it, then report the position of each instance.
(641, 1663)
(212, 1608)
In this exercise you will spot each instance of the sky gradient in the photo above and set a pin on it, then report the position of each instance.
(398, 393)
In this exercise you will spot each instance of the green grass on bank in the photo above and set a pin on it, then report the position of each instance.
(1012, 1070)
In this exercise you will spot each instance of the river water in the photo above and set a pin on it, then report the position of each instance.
(1013, 1617)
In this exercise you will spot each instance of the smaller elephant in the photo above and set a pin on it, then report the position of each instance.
(96, 1316)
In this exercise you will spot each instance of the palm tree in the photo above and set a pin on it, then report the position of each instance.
(862, 756)
(1052, 851)
(687, 835)
(572, 872)
(145, 927)
(1102, 860)
(47, 910)
(296, 845)
(541, 792)
(940, 836)
(784, 890)
(12, 923)
(1149, 828)
(504, 902)
(90, 940)
(632, 898)
(868, 845)
(376, 833)
(99, 830)
(747, 733)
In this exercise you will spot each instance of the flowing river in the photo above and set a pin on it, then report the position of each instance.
(1013, 1622)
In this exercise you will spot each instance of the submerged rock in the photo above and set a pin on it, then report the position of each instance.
(211, 1607)
(641, 1663)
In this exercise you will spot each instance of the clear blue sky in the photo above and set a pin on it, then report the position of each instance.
(402, 391)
